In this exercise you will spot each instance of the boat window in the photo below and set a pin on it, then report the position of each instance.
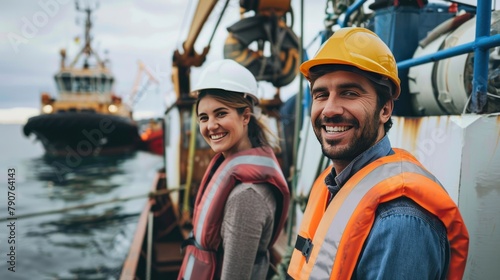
(105, 83)
(66, 80)
(86, 85)
(82, 84)
(110, 83)
(76, 84)
(95, 83)
(107, 87)
(101, 83)
(58, 83)
(63, 82)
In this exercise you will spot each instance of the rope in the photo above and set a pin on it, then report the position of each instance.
(83, 206)
(218, 22)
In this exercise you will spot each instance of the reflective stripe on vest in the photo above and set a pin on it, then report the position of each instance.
(189, 268)
(340, 234)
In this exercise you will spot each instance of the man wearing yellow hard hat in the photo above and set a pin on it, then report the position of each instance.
(376, 212)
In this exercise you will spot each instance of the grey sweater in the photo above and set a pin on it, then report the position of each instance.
(246, 231)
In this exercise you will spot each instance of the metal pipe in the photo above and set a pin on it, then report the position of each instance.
(481, 56)
(218, 22)
(350, 10)
(485, 42)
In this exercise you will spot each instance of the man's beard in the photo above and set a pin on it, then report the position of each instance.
(356, 146)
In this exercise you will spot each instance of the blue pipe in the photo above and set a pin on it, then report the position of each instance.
(481, 43)
(351, 9)
(481, 56)
(306, 99)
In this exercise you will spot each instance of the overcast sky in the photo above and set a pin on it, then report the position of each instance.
(33, 32)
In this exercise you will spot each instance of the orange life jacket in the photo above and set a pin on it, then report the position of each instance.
(257, 165)
(348, 219)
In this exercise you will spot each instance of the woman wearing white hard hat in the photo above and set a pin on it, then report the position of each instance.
(242, 202)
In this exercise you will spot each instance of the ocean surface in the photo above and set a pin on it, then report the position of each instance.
(88, 243)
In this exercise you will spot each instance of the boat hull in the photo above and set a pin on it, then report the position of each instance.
(153, 141)
(84, 134)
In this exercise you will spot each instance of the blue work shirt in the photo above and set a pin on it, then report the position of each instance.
(406, 241)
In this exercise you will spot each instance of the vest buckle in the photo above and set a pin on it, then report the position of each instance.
(305, 246)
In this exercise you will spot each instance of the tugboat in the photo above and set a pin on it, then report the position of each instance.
(87, 118)
(152, 137)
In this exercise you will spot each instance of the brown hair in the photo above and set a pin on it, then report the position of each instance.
(258, 132)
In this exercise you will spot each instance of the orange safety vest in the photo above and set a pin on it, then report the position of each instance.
(257, 165)
(341, 230)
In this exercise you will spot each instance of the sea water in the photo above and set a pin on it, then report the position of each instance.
(84, 243)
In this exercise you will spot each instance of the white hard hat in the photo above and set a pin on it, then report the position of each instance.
(227, 74)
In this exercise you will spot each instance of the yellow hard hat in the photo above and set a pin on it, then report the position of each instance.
(358, 47)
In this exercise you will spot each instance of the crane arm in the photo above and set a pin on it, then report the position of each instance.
(182, 62)
(203, 10)
(137, 83)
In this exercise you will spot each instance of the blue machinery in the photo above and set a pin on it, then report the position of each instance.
(480, 46)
